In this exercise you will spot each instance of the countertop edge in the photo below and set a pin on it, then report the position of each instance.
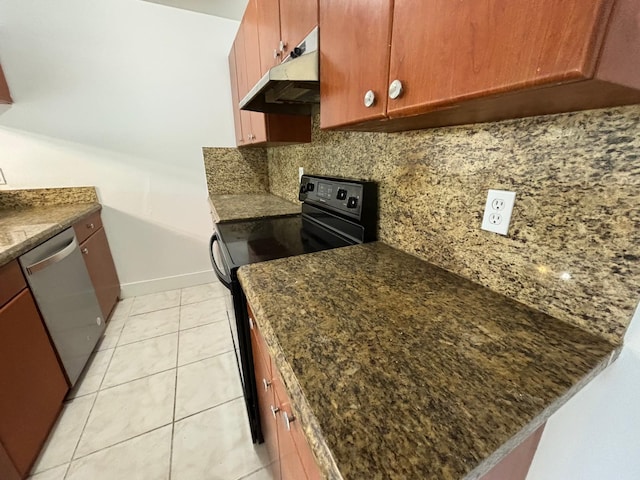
(308, 421)
(492, 460)
(14, 252)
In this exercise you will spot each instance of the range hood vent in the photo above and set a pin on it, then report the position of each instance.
(293, 87)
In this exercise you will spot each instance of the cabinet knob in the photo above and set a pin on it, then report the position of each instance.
(282, 46)
(266, 383)
(287, 420)
(91, 225)
(251, 323)
(395, 89)
(274, 410)
(276, 53)
(85, 250)
(369, 99)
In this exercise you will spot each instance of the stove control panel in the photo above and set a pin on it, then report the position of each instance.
(345, 196)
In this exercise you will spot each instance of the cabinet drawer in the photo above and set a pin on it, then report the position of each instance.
(85, 228)
(11, 281)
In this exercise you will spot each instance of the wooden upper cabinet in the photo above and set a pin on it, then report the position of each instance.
(233, 72)
(5, 96)
(251, 45)
(297, 19)
(443, 54)
(474, 60)
(354, 60)
(269, 33)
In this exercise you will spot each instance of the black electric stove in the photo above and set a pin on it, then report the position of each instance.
(336, 212)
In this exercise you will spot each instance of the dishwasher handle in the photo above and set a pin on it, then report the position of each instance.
(53, 259)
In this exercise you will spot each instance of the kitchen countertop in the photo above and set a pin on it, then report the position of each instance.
(400, 369)
(22, 228)
(249, 206)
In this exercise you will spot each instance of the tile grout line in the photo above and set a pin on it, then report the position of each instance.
(175, 391)
(84, 426)
(209, 408)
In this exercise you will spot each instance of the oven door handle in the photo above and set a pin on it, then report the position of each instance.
(226, 281)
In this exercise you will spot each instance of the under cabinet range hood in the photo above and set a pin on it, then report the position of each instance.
(293, 86)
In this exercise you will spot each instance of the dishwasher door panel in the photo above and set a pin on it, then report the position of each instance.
(61, 285)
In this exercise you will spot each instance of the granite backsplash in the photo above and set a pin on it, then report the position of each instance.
(573, 249)
(233, 170)
(42, 197)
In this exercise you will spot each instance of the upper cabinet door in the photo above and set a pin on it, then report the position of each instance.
(269, 33)
(233, 73)
(354, 60)
(297, 19)
(251, 45)
(443, 53)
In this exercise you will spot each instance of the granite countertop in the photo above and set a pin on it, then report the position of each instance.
(22, 228)
(399, 369)
(249, 206)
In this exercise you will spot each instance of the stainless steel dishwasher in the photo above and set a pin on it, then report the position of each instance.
(60, 282)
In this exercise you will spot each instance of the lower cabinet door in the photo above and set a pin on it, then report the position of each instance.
(31, 381)
(97, 257)
(290, 462)
(266, 401)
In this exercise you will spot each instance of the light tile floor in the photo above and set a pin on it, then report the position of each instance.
(159, 399)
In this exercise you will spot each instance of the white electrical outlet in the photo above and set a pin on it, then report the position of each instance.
(497, 211)
(3, 181)
(300, 173)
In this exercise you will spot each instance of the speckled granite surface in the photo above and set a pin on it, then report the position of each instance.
(37, 197)
(233, 170)
(21, 229)
(400, 369)
(573, 248)
(228, 208)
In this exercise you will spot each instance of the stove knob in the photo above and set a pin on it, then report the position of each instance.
(310, 187)
(342, 194)
(352, 202)
(303, 188)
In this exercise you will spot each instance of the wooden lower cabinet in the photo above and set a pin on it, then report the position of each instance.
(283, 435)
(99, 261)
(32, 383)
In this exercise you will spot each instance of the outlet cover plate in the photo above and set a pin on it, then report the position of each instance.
(300, 173)
(497, 211)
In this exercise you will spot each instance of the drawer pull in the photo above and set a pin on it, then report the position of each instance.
(91, 226)
(287, 420)
(266, 383)
(85, 250)
(274, 410)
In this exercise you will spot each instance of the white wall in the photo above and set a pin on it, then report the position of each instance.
(596, 435)
(121, 94)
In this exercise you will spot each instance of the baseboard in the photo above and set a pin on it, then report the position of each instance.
(135, 289)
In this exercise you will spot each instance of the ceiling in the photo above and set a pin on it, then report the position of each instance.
(232, 9)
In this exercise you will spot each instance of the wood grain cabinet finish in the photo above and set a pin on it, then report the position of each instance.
(269, 34)
(99, 261)
(297, 19)
(11, 281)
(32, 384)
(286, 445)
(476, 61)
(254, 128)
(5, 96)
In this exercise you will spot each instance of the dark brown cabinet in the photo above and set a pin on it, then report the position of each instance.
(31, 380)
(5, 96)
(99, 261)
(445, 63)
(282, 433)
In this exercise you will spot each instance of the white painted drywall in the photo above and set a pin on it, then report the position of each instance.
(121, 94)
(596, 435)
